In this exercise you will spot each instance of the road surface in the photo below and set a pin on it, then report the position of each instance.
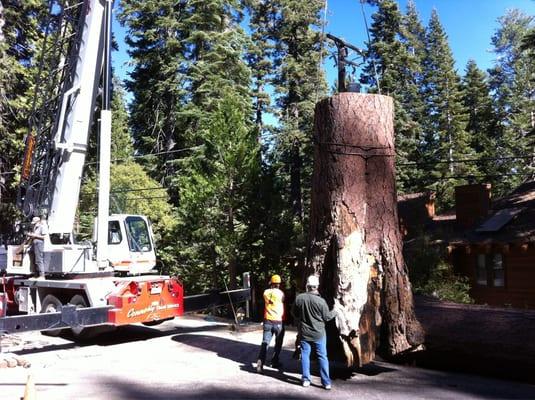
(192, 358)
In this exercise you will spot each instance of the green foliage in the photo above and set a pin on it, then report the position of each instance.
(431, 275)
(395, 55)
(512, 84)
(129, 195)
(298, 85)
(19, 35)
(410, 107)
(481, 121)
(156, 40)
(445, 137)
(214, 189)
(202, 89)
(445, 285)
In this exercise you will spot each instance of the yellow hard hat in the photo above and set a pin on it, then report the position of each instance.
(276, 279)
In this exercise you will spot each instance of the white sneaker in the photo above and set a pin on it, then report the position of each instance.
(259, 366)
(327, 387)
(306, 383)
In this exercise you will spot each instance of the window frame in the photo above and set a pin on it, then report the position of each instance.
(139, 249)
(490, 264)
(118, 225)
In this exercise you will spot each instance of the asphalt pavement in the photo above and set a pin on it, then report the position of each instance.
(195, 358)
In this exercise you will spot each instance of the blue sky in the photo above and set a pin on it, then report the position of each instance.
(469, 24)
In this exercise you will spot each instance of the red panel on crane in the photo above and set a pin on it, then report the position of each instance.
(146, 301)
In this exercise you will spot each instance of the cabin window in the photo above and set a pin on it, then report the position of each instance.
(490, 270)
(481, 272)
(498, 273)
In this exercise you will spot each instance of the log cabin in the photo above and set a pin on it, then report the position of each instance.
(492, 242)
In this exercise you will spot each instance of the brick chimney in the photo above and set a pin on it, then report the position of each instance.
(472, 204)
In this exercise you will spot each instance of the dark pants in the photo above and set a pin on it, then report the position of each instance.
(270, 329)
(39, 256)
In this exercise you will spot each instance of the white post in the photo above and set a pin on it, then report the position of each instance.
(247, 285)
(104, 188)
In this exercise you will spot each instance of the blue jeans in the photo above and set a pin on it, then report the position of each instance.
(321, 351)
(270, 329)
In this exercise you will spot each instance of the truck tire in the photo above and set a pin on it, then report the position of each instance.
(51, 304)
(81, 333)
(78, 301)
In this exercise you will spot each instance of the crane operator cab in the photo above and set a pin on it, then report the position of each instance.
(130, 251)
(130, 244)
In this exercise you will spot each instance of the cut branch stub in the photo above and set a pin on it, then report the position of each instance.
(355, 244)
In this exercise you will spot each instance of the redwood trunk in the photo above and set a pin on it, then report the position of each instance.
(355, 243)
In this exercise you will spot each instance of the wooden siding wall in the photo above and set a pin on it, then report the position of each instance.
(519, 269)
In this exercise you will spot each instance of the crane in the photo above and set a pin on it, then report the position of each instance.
(75, 68)
(117, 283)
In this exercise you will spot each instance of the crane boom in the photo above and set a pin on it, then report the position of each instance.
(53, 182)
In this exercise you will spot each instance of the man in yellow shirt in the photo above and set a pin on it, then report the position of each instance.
(273, 317)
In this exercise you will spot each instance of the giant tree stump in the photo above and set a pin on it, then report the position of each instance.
(355, 242)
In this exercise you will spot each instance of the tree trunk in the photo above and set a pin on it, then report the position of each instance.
(355, 243)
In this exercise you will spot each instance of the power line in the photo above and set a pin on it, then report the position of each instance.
(138, 189)
(145, 198)
(465, 160)
(445, 178)
(149, 155)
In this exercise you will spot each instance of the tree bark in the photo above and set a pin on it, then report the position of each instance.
(355, 245)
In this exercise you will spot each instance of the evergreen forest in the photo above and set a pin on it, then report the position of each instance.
(213, 126)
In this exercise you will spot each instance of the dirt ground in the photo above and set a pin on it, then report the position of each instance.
(195, 358)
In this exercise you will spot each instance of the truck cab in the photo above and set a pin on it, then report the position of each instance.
(130, 244)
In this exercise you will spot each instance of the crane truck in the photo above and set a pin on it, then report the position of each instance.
(110, 280)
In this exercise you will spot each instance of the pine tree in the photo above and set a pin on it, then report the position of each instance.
(445, 138)
(121, 146)
(187, 56)
(19, 36)
(215, 58)
(215, 189)
(395, 55)
(481, 121)
(410, 114)
(513, 86)
(298, 84)
(262, 14)
(156, 40)
(385, 51)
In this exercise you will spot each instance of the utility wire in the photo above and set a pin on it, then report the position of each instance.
(465, 160)
(445, 178)
(149, 155)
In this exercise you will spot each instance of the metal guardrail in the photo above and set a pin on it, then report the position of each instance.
(215, 298)
(70, 316)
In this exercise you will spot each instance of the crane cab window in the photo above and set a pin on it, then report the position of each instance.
(114, 232)
(138, 234)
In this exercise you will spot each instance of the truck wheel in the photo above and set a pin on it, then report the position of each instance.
(79, 302)
(81, 333)
(51, 304)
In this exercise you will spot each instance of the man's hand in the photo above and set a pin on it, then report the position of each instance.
(341, 323)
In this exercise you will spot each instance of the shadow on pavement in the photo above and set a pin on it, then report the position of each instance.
(123, 334)
(246, 354)
(133, 391)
